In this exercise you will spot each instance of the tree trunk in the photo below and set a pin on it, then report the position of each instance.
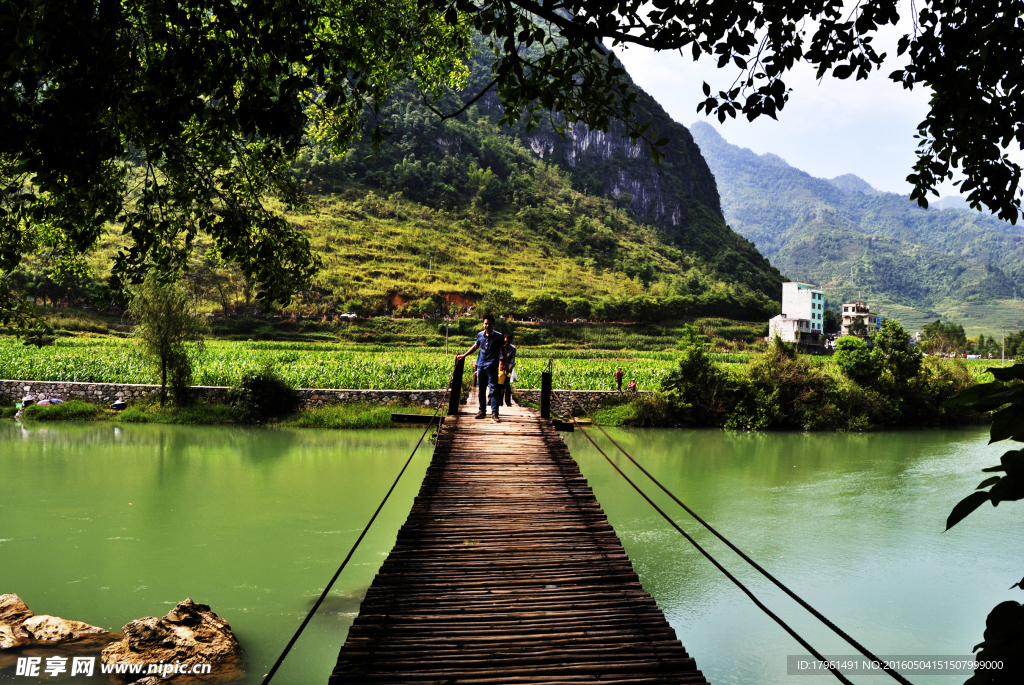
(163, 381)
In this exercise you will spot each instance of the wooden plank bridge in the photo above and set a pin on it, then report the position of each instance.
(507, 571)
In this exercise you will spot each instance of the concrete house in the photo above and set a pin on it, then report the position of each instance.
(852, 311)
(803, 308)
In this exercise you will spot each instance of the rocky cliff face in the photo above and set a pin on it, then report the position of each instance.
(679, 196)
(610, 163)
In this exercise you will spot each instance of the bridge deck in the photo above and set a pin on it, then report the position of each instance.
(507, 571)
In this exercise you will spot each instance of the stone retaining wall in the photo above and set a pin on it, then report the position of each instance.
(592, 399)
(105, 393)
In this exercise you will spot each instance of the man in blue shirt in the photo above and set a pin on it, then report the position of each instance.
(491, 344)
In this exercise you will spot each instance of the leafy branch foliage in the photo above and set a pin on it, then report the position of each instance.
(967, 53)
(1004, 397)
(177, 120)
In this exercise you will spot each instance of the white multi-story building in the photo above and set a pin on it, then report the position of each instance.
(803, 301)
(854, 311)
(790, 330)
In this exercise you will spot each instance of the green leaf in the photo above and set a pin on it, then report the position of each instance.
(987, 482)
(1009, 373)
(1010, 488)
(843, 71)
(974, 394)
(965, 506)
(1008, 423)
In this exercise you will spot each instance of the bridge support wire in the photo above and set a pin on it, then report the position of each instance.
(291, 643)
(814, 612)
(707, 555)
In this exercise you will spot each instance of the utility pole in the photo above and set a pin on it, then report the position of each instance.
(1004, 346)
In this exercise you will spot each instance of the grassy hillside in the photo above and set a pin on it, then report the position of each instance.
(851, 239)
(470, 164)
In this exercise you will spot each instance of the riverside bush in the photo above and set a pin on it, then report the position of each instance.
(780, 389)
(263, 396)
(72, 410)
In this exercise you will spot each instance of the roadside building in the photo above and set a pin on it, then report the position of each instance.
(791, 330)
(804, 301)
(801, 320)
(857, 311)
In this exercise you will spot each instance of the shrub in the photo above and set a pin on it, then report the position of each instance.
(758, 409)
(262, 396)
(357, 307)
(697, 391)
(643, 410)
(855, 361)
(133, 415)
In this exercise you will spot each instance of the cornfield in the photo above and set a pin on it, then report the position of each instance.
(316, 365)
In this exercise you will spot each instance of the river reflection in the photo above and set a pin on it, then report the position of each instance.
(106, 524)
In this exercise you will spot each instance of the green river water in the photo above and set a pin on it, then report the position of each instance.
(105, 524)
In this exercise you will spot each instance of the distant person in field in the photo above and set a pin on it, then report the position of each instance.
(491, 344)
(510, 367)
(618, 379)
(632, 385)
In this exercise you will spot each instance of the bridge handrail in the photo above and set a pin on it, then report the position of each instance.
(836, 629)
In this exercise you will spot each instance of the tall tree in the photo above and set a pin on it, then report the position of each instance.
(165, 324)
(174, 119)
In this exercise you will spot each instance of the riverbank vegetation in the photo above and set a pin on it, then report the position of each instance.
(322, 365)
(356, 415)
(890, 385)
(699, 378)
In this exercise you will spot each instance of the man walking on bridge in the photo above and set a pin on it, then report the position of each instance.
(491, 344)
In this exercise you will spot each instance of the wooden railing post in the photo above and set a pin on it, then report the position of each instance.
(456, 396)
(545, 395)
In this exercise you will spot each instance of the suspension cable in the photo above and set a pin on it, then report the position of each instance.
(707, 554)
(836, 629)
(270, 674)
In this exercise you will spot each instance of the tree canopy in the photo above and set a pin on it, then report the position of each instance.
(172, 119)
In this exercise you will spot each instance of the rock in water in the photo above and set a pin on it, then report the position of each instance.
(190, 634)
(56, 629)
(19, 626)
(12, 612)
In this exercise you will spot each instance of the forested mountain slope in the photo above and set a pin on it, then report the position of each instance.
(470, 160)
(853, 239)
(458, 208)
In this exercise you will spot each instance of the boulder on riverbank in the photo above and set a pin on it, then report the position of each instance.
(20, 627)
(189, 635)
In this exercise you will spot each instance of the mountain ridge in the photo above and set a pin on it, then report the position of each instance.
(857, 241)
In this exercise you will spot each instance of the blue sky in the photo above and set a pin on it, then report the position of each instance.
(827, 128)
